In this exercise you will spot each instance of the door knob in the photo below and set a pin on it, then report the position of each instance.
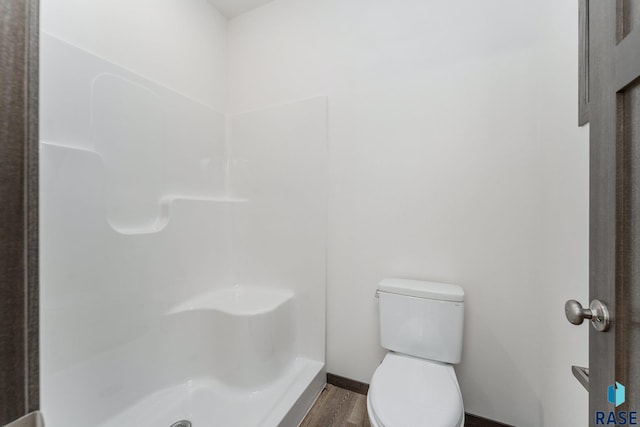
(597, 313)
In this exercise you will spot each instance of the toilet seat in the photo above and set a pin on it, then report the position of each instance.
(410, 392)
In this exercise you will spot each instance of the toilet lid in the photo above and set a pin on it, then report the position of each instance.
(410, 392)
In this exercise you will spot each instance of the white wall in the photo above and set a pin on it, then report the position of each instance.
(565, 235)
(454, 156)
(180, 44)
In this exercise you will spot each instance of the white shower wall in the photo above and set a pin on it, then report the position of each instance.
(280, 164)
(180, 44)
(183, 249)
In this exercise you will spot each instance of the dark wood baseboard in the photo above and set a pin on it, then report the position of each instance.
(362, 388)
(347, 383)
(471, 420)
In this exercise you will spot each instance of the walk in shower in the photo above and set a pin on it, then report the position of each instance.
(182, 252)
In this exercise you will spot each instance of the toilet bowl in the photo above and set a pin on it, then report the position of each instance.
(415, 385)
(410, 392)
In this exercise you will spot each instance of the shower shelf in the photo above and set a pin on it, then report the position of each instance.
(82, 174)
(165, 216)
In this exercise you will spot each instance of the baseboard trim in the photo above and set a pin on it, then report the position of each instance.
(471, 420)
(362, 388)
(347, 383)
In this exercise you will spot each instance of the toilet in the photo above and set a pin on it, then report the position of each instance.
(421, 326)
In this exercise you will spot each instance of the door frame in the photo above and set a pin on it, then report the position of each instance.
(19, 284)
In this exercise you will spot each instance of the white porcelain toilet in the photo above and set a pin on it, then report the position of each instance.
(415, 385)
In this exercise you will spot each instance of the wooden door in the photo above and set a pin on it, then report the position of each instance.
(614, 252)
(18, 209)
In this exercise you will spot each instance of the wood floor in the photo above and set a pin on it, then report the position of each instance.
(338, 407)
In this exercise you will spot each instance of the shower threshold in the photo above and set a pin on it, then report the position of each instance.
(205, 402)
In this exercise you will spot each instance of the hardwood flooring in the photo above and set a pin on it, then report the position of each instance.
(337, 407)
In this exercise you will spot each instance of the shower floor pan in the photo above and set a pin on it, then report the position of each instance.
(207, 402)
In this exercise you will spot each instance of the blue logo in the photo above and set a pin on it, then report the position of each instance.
(616, 394)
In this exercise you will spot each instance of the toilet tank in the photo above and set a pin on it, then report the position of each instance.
(422, 319)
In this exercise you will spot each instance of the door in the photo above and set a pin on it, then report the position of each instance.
(18, 211)
(614, 247)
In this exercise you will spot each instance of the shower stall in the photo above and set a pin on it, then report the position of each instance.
(182, 252)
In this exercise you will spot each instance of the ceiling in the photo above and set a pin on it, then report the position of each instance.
(233, 8)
